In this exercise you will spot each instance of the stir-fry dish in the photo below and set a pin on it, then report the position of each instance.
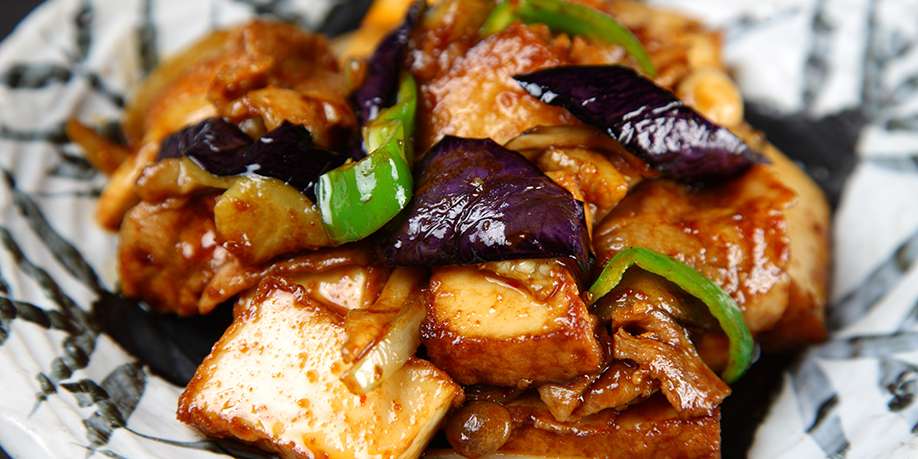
(531, 228)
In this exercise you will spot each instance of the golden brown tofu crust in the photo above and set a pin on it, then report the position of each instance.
(566, 349)
(273, 380)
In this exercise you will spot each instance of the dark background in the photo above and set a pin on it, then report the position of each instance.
(12, 12)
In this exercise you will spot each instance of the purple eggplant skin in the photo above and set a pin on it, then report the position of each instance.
(645, 118)
(381, 84)
(476, 201)
(211, 138)
(286, 153)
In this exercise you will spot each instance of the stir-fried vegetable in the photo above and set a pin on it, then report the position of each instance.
(721, 306)
(572, 18)
(355, 199)
(476, 202)
(261, 218)
(379, 88)
(364, 327)
(287, 153)
(645, 118)
(399, 342)
(359, 198)
(503, 14)
(212, 138)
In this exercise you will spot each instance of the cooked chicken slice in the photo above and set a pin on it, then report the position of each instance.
(477, 97)
(482, 328)
(762, 237)
(168, 253)
(651, 429)
(340, 278)
(808, 225)
(170, 256)
(228, 73)
(273, 379)
(734, 234)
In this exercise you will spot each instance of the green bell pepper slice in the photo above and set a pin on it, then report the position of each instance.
(572, 18)
(721, 306)
(360, 197)
(500, 18)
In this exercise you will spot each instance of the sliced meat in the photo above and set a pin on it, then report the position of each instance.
(735, 234)
(168, 253)
(689, 385)
(477, 97)
(620, 386)
(648, 336)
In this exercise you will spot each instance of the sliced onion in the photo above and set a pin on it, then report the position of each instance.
(390, 353)
(365, 326)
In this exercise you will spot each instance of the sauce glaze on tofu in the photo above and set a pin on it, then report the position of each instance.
(273, 380)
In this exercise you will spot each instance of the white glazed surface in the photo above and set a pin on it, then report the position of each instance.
(810, 59)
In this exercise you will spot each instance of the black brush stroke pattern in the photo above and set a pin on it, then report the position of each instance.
(816, 67)
(63, 251)
(82, 23)
(816, 401)
(745, 24)
(869, 292)
(73, 167)
(54, 135)
(35, 75)
(115, 399)
(343, 17)
(899, 164)
(76, 347)
(147, 38)
(11, 309)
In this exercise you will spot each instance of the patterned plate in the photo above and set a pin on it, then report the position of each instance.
(86, 372)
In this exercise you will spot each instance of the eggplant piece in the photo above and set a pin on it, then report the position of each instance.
(381, 83)
(645, 118)
(286, 153)
(212, 139)
(477, 202)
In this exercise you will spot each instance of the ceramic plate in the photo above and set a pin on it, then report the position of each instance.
(84, 372)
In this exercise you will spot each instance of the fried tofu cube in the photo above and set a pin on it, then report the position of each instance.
(273, 379)
(481, 329)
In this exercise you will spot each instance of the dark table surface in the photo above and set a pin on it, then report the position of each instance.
(12, 12)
